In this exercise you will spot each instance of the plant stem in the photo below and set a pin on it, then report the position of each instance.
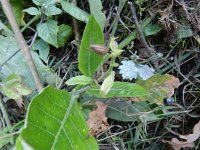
(4, 112)
(149, 50)
(30, 22)
(108, 71)
(22, 43)
(75, 24)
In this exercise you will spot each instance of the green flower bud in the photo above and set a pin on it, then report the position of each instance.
(115, 65)
(116, 53)
(107, 84)
(113, 44)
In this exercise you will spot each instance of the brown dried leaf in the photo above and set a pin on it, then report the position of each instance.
(190, 139)
(171, 85)
(97, 121)
(177, 145)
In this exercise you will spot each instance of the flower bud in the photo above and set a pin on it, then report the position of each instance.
(99, 49)
(107, 84)
(116, 53)
(113, 44)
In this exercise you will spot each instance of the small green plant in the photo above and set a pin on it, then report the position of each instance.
(54, 118)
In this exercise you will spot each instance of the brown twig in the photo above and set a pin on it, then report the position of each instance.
(149, 50)
(75, 24)
(22, 43)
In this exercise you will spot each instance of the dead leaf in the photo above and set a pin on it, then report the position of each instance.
(97, 121)
(177, 145)
(190, 139)
(171, 85)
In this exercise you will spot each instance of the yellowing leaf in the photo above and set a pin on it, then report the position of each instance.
(159, 87)
(13, 88)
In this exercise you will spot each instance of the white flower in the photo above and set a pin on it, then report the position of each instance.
(145, 72)
(128, 70)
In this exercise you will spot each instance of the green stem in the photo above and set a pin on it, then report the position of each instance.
(108, 71)
(30, 22)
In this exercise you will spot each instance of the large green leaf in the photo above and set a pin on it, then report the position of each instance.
(120, 89)
(74, 11)
(48, 32)
(96, 11)
(18, 64)
(54, 121)
(88, 60)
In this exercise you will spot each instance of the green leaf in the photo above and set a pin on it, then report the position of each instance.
(120, 89)
(13, 88)
(80, 80)
(88, 60)
(52, 10)
(54, 121)
(96, 11)
(17, 8)
(127, 110)
(75, 11)
(64, 33)
(184, 31)
(43, 48)
(32, 11)
(152, 29)
(48, 32)
(158, 87)
(18, 64)
(39, 2)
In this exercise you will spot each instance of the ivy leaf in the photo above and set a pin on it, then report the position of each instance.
(55, 119)
(88, 60)
(13, 88)
(80, 80)
(74, 11)
(120, 89)
(64, 33)
(96, 11)
(32, 11)
(52, 10)
(48, 32)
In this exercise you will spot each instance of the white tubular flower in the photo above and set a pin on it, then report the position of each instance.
(128, 70)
